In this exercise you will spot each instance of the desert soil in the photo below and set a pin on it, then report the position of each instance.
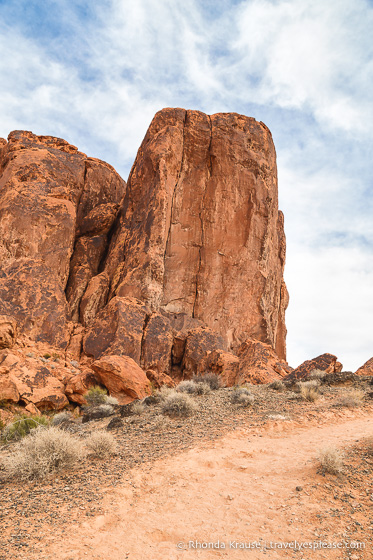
(228, 476)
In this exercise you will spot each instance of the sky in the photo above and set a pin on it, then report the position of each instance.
(95, 73)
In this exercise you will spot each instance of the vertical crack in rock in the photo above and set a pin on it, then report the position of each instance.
(209, 166)
(146, 321)
(168, 242)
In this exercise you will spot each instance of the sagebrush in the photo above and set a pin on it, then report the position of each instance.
(42, 452)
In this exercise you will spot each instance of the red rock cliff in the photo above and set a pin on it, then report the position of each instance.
(200, 231)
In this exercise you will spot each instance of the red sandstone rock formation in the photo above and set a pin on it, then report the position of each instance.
(324, 362)
(365, 369)
(56, 207)
(200, 229)
(167, 276)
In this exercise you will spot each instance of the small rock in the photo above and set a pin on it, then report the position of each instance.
(114, 423)
(299, 488)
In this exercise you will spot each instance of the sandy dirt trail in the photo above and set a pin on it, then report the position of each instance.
(241, 488)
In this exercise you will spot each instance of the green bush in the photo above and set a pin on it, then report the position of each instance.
(95, 396)
(22, 426)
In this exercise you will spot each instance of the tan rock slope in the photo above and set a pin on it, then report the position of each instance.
(180, 270)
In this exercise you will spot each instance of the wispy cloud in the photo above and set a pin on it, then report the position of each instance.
(95, 74)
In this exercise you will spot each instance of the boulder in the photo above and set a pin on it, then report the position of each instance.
(117, 329)
(122, 377)
(8, 331)
(199, 342)
(324, 362)
(259, 363)
(200, 232)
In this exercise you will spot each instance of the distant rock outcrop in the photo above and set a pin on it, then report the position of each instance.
(365, 369)
(178, 272)
(325, 362)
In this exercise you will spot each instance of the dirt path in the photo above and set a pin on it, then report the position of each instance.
(240, 489)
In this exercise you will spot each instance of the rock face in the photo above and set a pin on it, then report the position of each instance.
(8, 331)
(325, 362)
(56, 208)
(200, 229)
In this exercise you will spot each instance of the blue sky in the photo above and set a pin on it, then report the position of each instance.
(95, 74)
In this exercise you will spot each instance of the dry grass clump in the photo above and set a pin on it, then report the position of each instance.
(309, 390)
(317, 374)
(212, 379)
(277, 385)
(111, 400)
(138, 408)
(352, 399)
(331, 460)
(193, 388)
(178, 404)
(101, 444)
(242, 396)
(42, 452)
(61, 417)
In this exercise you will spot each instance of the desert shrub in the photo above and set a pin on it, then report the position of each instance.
(101, 444)
(111, 400)
(212, 379)
(277, 385)
(178, 404)
(22, 426)
(242, 396)
(164, 392)
(43, 451)
(60, 417)
(95, 396)
(352, 398)
(331, 460)
(138, 408)
(317, 374)
(193, 388)
(309, 392)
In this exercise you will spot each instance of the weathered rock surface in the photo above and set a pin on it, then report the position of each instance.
(123, 378)
(39, 387)
(224, 364)
(8, 331)
(50, 195)
(325, 362)
(366, 369)
(78, 385)
(199, 342)
(200, 229)
(159, 379)
(117, 329)
(259, 363)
